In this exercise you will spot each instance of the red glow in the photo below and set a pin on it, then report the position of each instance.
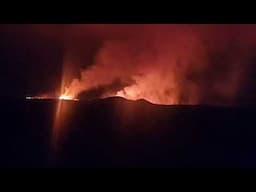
(169, 64)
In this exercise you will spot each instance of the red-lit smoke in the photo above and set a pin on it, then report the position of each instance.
(164, 64)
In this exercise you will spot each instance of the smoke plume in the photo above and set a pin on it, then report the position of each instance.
(164, 64)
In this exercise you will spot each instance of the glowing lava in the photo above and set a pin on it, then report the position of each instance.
(67, 97)
(61, 97)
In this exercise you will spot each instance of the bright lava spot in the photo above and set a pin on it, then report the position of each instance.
(66, 97)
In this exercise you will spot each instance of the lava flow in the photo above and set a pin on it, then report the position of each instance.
(61, 97)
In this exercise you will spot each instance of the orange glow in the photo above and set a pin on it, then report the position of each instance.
(61, 107)
(170, 63)
(64, 97)
(67, 97)
(167, 64)
(158, 71)
(153, 88)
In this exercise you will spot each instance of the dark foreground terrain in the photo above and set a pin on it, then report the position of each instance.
(115, 132)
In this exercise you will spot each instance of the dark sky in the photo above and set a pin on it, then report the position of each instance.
(33, 57)
(29, 63)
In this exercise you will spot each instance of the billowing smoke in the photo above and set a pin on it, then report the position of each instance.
(164, 64)
(107, 90)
